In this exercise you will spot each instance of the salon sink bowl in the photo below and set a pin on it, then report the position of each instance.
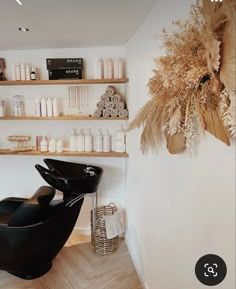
(71, 178)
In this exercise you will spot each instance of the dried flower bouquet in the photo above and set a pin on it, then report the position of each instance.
(194, 85)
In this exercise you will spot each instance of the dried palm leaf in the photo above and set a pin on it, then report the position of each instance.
(228, 59)
(176, 143)
(175, 121)
(214, 16)
(215, 126)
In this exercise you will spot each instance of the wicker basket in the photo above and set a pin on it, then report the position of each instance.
(103, 246)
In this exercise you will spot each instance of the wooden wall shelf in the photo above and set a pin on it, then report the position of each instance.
(66, 153)
(65, 82)
(66, 117)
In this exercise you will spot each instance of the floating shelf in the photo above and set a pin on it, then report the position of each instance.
(63, 81)
(66, 153)
(66, 117)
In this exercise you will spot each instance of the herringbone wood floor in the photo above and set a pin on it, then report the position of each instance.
(78, 267)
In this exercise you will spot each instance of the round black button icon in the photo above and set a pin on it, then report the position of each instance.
(210, 270)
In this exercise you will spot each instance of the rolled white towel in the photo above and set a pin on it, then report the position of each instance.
(109, 104)
(116, 98)
(110, 90)
(101, 104)
(120, 105)
(123, 113)
(97, 112)
(106, 112)
(105, 98)
(114, 112)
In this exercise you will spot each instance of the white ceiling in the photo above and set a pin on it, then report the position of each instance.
(70, 23)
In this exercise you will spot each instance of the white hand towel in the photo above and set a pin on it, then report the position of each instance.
(114, 225)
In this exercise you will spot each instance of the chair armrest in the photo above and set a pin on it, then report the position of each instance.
(9, 205)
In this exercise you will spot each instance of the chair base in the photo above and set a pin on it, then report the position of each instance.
(38, 272)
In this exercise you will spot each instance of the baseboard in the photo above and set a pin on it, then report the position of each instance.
(133, 257)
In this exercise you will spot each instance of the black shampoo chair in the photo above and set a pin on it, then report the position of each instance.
(34, 230)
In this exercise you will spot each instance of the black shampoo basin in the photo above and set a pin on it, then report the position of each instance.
(71, 178)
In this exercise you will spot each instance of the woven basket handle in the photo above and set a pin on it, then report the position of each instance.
(112, 205)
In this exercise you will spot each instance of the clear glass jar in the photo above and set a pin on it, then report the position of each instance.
(18, 105)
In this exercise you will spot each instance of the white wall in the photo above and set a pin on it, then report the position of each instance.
(18, 177)
(182, 207)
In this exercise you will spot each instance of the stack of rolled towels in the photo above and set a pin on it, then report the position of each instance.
(111, 104)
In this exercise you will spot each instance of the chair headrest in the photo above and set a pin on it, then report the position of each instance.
(43, 195)
(33, 210)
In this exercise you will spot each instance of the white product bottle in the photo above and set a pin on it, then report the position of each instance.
(108, 68)
(118, 68)
(17, 72)
(73, 141)
(88, 141)
(44, 145)
(99, 141)
(115, 62)
(27, 72)
(80, 141)
(43, 107)
(106, 142)
(59, 146)
(52, 146)
(99, 69)
(49, 107)
(22, 72)
(37, 107)
(54, 107)
(120, 141)
(13, 72)
(2, 108)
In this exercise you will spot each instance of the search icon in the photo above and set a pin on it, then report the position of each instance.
(210, 270)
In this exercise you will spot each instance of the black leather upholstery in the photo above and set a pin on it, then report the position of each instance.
(34, 230)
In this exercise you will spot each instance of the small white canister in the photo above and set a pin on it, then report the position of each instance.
(2, 108)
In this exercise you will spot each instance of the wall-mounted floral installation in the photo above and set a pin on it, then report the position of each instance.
(194, 85)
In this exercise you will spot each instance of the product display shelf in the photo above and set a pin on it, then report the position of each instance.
(63, 81)
(64, 117)
(65, 153)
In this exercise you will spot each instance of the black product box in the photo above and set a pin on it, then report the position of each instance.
(63, 63)
(69, 73)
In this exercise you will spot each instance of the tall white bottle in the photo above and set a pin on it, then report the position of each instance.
(37, 107)
(43, 107)
(73, 141)
(54, 107)
(17, 71)
(49, 107)
(22, 72)
(120, 141)
(106, 142)
(88, 141)
(99, 141)
(80, 141)
(118, 68)
(99, 69)
(27, 72)
(108, 68)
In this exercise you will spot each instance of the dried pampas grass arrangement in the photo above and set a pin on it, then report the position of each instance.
(194, 86)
